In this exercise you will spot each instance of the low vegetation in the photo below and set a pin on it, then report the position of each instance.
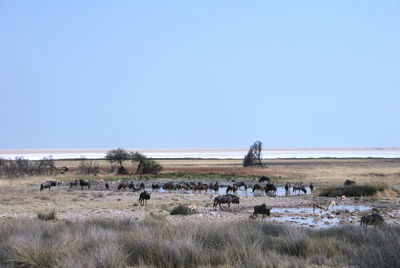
(24, 167)
(353, 190)
(121, 243)
(182, 210)
(47, 216)
(87, 167)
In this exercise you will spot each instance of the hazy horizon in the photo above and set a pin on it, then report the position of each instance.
(179, 74)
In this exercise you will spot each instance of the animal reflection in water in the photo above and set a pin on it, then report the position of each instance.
(225, 199)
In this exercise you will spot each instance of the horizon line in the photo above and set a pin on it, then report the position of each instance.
(101, 150)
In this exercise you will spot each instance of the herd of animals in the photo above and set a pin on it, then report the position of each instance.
(268, 188)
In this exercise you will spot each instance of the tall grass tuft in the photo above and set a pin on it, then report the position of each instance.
(122, 243)
(52, 215)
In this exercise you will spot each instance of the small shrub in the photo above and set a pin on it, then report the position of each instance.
(181, 210)
(349, 182)
(47, 216)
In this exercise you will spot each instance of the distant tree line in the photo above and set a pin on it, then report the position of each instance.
(21, 167)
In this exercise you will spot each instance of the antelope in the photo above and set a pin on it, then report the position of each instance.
(332, 203)
(319, 206)
(192, 207)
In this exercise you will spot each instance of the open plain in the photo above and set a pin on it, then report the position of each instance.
(295, 234)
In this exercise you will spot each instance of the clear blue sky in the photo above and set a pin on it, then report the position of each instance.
(176, 74)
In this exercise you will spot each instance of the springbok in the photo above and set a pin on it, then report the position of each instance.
(321, 207)
(332, 203)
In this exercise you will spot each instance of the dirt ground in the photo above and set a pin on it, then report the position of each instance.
(74, 204)
(20, 197)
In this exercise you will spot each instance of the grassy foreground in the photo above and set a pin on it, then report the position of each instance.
(152, 242)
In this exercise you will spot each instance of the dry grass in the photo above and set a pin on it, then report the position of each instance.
(153, 243)
(321, 171)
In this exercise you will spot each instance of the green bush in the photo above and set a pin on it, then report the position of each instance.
(352, 190)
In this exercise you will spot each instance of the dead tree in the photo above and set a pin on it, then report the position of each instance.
(253, 157)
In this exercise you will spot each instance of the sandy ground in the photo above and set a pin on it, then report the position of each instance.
(73, 204)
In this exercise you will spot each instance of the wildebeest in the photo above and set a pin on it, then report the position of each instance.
(231, 188)
(374, 219)
(155, 186)
(263, 210)
(299, 187)
(216, 187)
(124, 185)
(264, 178)
(257, 187)
(107, 186)
(73, 183)
(143, 197)
(84, 183)
(287, 187)
(240, 184)
(311, 187)
(270, 187)
(223, 199)
(169, 186)
(47, 184)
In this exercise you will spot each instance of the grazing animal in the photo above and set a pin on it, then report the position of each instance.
(155, 186)
(47, 184)
(240, 184)
(64, 170)
(374, 219)
(299, 187)
(311, 187)
(107, 186)
(73, 183)
(270, 187)
(231, 188)
(141, 186)
(123, 184)
(143, 197)
(321, 207)
(169, 186)
(84, 183)
(263, 210)
(342, 198)
(223, 199)
(216, 187)
(192, 207)
(257, 187)
(287, 187)
(264, 179)
(331, 204)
